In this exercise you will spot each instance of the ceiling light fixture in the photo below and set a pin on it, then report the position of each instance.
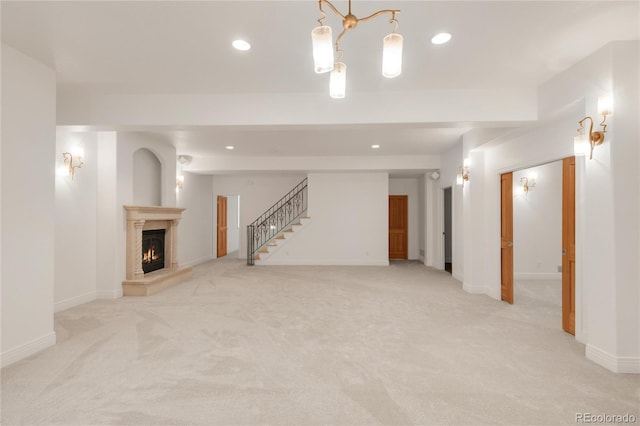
(441, 38)
(375, 146)
(241, 45)
(323, 60)
(230, 147)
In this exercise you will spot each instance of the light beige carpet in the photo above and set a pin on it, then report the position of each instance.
(394, 345)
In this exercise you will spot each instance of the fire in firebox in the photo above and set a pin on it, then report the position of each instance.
(152, 250)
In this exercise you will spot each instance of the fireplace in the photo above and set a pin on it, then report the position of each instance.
(152, 246)
(152, 250)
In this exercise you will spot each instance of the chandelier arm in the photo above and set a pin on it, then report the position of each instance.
(394, 21)
(378, 13)
(324, 15)
(338, 50)
(335, 10)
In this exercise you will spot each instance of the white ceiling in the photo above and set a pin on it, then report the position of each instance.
(185, 47)
(298, 141)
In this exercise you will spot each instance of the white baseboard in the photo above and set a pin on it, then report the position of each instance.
(198, 261)
(474, 289)
(108, 294)
(20, 352)
(327, 262)
(611, 362)
(74, 301)
(537, 276)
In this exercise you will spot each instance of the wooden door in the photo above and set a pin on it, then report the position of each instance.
(398, 227)
(569, 245)
(506, 236)
(222, 226)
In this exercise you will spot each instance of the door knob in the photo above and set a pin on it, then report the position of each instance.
(564, 252)
(510, 244)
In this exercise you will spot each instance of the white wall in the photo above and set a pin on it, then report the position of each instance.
(75, 219)
(257, 193)
(28, 205)
(115, 190)
(409, 187)
(128, 144)
(626, 211)
(147, 180)
(607, 241)
(108, 215)
(233, 223)
(349, 222)
(537, 223)
(196, 229)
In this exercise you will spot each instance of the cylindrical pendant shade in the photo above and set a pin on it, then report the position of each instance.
(392, 55)
(322, 49)
(338, 81)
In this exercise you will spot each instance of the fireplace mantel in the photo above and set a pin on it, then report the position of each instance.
(141, 218)
(153, 213)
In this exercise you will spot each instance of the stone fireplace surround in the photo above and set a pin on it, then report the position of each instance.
(141, 218)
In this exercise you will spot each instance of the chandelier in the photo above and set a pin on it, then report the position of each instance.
(323, 48)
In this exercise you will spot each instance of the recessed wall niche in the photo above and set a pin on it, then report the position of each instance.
(147, 178)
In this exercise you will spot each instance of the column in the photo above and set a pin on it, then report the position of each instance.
(137, 265)
(174, 243)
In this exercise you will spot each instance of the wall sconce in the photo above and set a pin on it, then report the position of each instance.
(179, 183)
(464, 172)
(527, 182)
(72, 162)
(584, 143)
(183, 160)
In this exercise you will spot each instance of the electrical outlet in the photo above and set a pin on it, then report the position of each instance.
(559, 268)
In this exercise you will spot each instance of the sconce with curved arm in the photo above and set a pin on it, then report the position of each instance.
(595, 137)
(527, 183)
(68, 159)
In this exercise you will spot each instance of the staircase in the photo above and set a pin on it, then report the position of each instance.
(280, 240)
(271, 230)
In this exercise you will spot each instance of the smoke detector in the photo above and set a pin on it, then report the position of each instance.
(184, 160)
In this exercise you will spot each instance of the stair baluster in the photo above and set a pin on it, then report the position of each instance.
(275, 219)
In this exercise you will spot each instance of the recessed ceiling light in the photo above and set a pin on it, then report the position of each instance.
(230, 147)
(375, 146)
(241, 45)
(441, 38)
